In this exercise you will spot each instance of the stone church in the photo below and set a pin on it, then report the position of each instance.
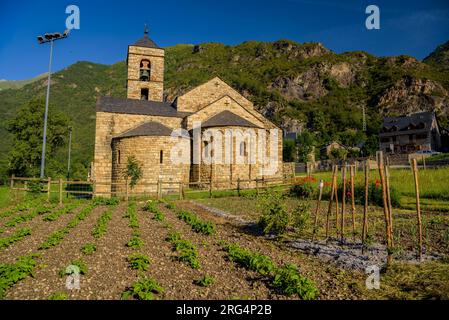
(142, 124)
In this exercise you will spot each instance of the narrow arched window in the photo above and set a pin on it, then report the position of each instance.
(119, 157)
(243, 149)
(144, 94)
(145, 70)
(161, 157)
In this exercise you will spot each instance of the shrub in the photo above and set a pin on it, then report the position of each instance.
(375, 194)
(288, 281)
(304, 188)
(88, 248)
(139, 261)
(301, 215)
(35, 187)
(143, 289)
(275, 218)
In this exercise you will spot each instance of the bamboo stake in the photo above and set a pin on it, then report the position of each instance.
(321, 185)
(390, 210)
(329, 210)
(335, 182)
(353, 201)
(380, 163)
(418, 208)
(365, 206)
(343, 204)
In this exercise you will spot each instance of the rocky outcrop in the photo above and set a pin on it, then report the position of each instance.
(410, 95)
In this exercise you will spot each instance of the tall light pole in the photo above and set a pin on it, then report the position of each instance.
(70, 152)
(48, 37)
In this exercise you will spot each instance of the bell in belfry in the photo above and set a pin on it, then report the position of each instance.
(144, 75)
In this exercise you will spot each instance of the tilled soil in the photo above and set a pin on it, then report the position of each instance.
(109, 275)
(332, 282)
(46, 278)
(40, 230)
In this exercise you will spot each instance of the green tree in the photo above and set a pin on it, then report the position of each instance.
(371, 146)
(289, 150)
(338, 154)
(27, 129)
(133, 171)
(305, 143)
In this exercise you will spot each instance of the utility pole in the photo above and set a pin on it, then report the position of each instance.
(48, 37)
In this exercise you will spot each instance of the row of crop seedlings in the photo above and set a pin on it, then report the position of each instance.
(285, 280)
(100, 229)
(21, 233)
(11, 273)
(145, 287)
(23, 206)
(195, 222)
(14, 272)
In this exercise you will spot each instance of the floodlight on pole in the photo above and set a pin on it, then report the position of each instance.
(48, 37)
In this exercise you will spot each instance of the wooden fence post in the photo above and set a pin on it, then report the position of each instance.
(210, 188)
(48, 188)
(390, 210)
(335, 182)
(12, 181)
(159, 189)
(418, 208)
(329, 210)
(180, 190)
(352, 174)
(238, 186)
(424, 162)
(257, 186)
(60, 190)
(343, 204)
(126, 190)
(380, 163)
(321, 185)
(365, 206)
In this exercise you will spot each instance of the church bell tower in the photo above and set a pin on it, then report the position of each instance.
(145, 70)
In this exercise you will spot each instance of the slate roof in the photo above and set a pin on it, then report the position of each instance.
(151, 128)
(146, 42)
(412, 124)
(227, 118)
(142, 107)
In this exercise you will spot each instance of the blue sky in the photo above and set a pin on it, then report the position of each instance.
(107, 27)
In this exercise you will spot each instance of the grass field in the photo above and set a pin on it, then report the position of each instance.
(433, 185)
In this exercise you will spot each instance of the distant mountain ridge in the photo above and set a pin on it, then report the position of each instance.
(298, 86)
(17, 84)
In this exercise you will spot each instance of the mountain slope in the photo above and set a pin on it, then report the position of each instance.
(17, 84)
(440, 57)
(296, 85)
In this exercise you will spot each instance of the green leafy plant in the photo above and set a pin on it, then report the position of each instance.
(205, 281)
(251, 260)
(131, 214)
(27, 216)
(288, 281)
(135, 241)
(301, 215)
(56, 214)
(15, 237)
(88, 248)
(187, 252)
(198, 225)
(138, 261)
(58, 296)
(102, 224)
(275, 217)
(98, 201)
(144, 289)
(80, 263)
(13, 273)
